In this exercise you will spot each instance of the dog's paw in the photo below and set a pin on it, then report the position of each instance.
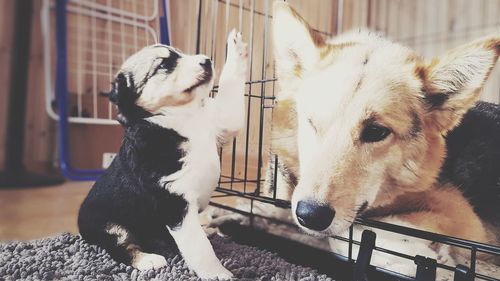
(210, 231)
(237, 50)
(216, 217)
(228, 218)
(219, 272)
(145, 261)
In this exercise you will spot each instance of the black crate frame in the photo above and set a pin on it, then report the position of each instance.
(425, 266)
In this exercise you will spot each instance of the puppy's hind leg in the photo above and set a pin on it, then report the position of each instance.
(123, 247)
(196, 249)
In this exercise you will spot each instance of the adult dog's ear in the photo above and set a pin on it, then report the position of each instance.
(454, 81)
(296, 45)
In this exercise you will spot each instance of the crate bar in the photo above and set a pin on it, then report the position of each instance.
(347, 240)
(275, 176)
(448, 240)
(278, 203)
(484, 277)
(233, 151)
(233, 155)
(228, 182)
(262, 94)
(452, 241)
(198, 28)
(473, 260)
(391, 252)
(227, 177)
(221, 196)
(262, 81)
(233, 162)
(350, 241)
(250, 214)
(238, 181)
(247, 136)
(387, 251)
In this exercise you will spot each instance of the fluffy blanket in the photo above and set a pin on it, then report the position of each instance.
(68, 257)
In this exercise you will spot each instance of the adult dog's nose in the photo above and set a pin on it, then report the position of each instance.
(313, 215)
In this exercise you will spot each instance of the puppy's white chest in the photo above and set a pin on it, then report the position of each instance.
(200, 171)
(204, 171)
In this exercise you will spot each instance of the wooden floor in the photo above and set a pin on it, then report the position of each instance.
(32, 213)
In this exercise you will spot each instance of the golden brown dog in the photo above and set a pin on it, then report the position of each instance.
(359, 129)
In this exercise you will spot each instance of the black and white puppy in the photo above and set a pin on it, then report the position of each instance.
(168, 164)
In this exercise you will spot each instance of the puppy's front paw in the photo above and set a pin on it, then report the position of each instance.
(145, 261)
(237, 50)
(219, 272)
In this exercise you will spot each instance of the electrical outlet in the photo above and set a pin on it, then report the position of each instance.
(107, 158)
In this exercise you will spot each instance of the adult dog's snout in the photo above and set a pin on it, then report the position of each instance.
(313, 215)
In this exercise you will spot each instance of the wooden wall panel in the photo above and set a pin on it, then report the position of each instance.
(6, 20)
(40, 132)
(429, 26)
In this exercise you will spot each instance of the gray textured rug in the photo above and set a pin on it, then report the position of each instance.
(68, 257)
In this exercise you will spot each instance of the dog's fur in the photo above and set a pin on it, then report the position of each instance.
(360, 125)
(168, 164)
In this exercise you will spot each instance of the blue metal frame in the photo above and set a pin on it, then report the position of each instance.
(62, 99)
(62, 91)
(164, 34)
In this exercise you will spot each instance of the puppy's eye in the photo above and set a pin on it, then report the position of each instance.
(374, 133)
(168, 63)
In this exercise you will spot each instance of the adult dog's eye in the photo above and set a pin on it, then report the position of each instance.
(374, 133)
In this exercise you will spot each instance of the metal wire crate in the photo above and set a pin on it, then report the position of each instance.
(244, 159)
(243, 175)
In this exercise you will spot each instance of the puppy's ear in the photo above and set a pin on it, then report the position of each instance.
(111, 95)
(123, 95)
(296, 45)
(454, 81)
(123, 89)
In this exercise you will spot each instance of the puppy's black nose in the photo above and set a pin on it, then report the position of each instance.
(206, 64)
(313, 215)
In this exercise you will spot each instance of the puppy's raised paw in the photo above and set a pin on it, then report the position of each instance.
(237, 50)
(145, 261)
